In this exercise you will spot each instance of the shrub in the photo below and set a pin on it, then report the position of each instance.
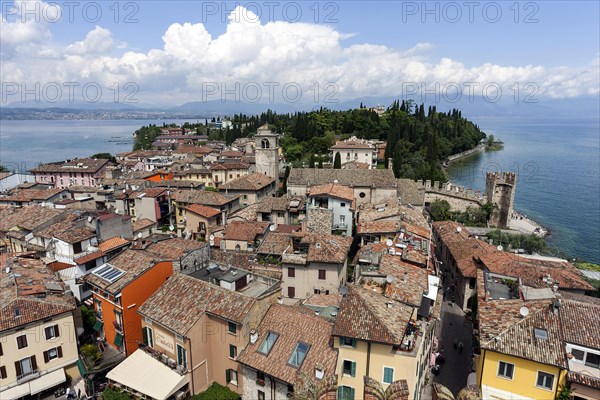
(216, 392)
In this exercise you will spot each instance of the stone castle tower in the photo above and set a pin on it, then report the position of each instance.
(267, 152)
(500, 191)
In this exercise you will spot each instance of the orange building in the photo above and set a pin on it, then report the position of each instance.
(159, 176)
(119, 287)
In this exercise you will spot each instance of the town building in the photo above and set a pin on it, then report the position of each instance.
(81, 171)
(266, 151)
(203, 221)
(279, 354)
(252, 188)
(330, 209)
(355, 150)
(119, 287)
(243, 236)
(150, 203)
(38, 336)
(286, 210)
(182, 199)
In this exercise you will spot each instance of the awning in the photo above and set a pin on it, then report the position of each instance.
(118, 340)
(144, 374)
(81, 367)
(98, 325)
(15, 392)
(47, 381)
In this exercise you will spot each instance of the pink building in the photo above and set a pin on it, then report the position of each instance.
(81, 172)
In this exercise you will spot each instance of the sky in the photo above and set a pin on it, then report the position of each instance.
(166, 53)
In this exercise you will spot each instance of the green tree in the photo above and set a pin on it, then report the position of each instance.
(216, 392)
(112, 394)
(439, 210)
(3, 168)
(337, 161)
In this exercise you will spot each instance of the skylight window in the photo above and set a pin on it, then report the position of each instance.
(268, 343)
(109, 273)
(298, 354)
(540, 333)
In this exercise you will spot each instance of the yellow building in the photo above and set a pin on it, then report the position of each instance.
(38, 340)
(380, 338)
(531, 349)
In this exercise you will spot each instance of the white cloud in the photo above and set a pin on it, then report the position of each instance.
(252, 52)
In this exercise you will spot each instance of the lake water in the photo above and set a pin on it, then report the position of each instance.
(558, 182)
(557, 161)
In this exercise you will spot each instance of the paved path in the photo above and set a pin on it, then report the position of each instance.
(454, 372)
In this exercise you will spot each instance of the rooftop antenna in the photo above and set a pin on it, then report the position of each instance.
(524, 311)
(458, 229)
(389, 279)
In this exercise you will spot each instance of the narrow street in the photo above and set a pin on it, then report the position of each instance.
(454, 372)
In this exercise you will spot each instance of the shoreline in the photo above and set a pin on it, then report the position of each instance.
(519, 222)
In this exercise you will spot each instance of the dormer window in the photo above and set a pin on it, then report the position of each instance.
(298, 355)
(268, 343)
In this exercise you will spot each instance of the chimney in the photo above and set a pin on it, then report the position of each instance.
(253, 336)
(405, 276)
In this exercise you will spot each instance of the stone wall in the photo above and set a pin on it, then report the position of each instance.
(193, 261)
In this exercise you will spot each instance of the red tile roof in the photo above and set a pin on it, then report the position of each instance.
(112, 243)
(332, 190)
(245, 230)
(204, 211)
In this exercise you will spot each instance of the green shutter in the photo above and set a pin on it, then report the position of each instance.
(227, 375)
(340, 394)
(354, 343)
(97, 325)
(388, 375)
(353, 369)
(118, 340)
(352, 393)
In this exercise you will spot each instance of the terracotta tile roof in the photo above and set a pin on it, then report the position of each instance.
(26, 195)
(365, 315)
(378, 178)
(173, 249)
(580, 323)
(269, 204)
(355, 165)
(410, 282)
(410, 192)
(29, 217)
(532, 272)
(333, 190)
(87, 165)
(226, 166)
(324, 300)
(232, 154)
(193, 149)
(89, 257)
(74, 235)
(244, 230)
(247, 213)
(252, 182)
(352, 144)
(182, 300)
(193, 171)
(112, 243)
(284, 228)
(583, 379)
(275, 243)
(143, 223)
(204, 211)
(203, 197)
(424, 232)
(284, 320)
(381, 226)
(32, 294)
(132, 262)
(325, 248)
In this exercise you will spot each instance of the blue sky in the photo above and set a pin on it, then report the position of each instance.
(355, 45)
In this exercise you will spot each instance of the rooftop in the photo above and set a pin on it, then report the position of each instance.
(173, 248)
(87, 165)
(332, 190)
(182, 300)
(245, 230)
(30, 217)
(112, 243)
(203, 197)
(284, 321)
(378, 178)
(251, 182)
(204, 211)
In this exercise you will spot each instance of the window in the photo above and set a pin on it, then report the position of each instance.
(362, 195)
(25, 367)
(345, 393)
(52, 354)
(592, 360)
(291, 292)
(322, 274)
(545, 380)
(388, 375)
(51, 332)
(298, 354)
(540, 333)
(21, 342)
(147, 336)
(232, 327)
(231, 376)
(578, 354)
(261, 395)
(291, 272)
(349, 368)
(232, 351)
(505, 370)
(268, 343)
(3, 372)
(342, 204)
(77, 248)
(181, 357)
(346, 341)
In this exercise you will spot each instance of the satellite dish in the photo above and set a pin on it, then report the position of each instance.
(43, 204)
(389, 242)
(335, 181)
(211, 237)
(458, 229)
(524, 311)
(389, 279)
(139, 235)
(90, 218)
(500, 248)
(271, 228)
(171, 227)
(344, 290)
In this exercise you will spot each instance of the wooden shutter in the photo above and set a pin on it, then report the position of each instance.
(354, 343)
(59, 351)
(56, 331)
(18, 368)
(1, 352)
(3, 372)
(33, 363)
(291, 292)
(46, 357)
(227, 375)
(353, 369)
(352, 393)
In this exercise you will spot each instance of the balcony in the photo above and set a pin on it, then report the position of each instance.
(28, 376)
(341, 225)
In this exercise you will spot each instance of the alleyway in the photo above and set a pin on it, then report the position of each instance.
(454, 372)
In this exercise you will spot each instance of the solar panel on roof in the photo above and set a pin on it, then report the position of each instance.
(109, 273)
